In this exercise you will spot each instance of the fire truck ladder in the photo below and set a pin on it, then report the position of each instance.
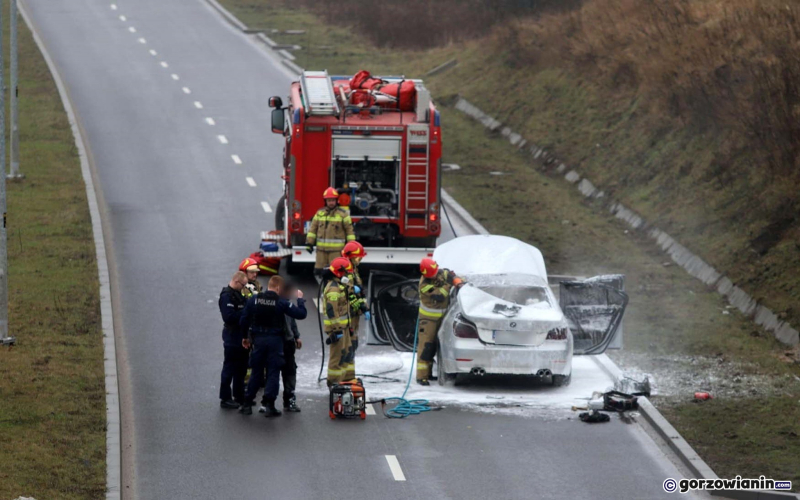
(417, 181)
(319, 98)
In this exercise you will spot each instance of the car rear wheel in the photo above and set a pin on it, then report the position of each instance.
(445, 379)
(561, 380)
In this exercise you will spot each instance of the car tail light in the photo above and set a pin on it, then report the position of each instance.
(464, 329)
(557, 334)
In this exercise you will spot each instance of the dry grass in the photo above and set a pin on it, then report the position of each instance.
(52, 394)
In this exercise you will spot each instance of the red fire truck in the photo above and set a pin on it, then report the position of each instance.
(377, 140)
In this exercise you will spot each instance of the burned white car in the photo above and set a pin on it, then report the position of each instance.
(506, 320)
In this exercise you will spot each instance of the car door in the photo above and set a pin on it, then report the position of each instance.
(594, 309)
(394, 303)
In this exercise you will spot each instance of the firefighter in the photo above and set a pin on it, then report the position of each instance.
(434, 298)
(354, 252)
(331, 228)
(234, 365)
(341, 356)
(250, 267)
(265, 316)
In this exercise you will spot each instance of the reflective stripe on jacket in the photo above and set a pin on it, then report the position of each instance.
(330, 229)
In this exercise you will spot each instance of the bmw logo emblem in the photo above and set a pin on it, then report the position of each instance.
(513, 324)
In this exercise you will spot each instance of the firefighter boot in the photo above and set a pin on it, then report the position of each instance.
(291, 405)
(271, 410)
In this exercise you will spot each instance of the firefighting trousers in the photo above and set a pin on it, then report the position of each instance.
(426, 347)
(267, 354)
(324, 258)
(354, 322)
(341, 358)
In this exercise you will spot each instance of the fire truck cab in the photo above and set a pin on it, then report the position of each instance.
(381, 150)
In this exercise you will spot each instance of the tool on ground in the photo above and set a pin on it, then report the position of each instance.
(594, 417)
(702, 396)
(619, 401)
(348, 400)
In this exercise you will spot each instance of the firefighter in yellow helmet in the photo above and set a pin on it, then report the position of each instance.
(354, 252)
(434, 298)
(341, 356)
(331, 228)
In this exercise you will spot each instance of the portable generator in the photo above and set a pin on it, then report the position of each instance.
(348, 400)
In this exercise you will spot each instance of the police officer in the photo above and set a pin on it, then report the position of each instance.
(291, 343)
(264, 315)
(341, 356)
(330, 229)
(354, 252)
(434, 298)
(234, 365)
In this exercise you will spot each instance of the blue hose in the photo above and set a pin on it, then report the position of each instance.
(405, 407)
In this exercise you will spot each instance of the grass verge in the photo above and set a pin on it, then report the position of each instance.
(675, 327)
(52, 415)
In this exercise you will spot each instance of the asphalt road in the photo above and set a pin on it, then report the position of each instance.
(174, 105)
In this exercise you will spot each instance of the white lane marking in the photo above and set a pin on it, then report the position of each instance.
(142, 40)
(210, 121)
(236, 159)
(132, 29)
(370, 410)
(153, 52)
(123, 18)
(251, 181)
(198, 104)
(266, 207)
(394, 465)
(222, 139)
(113, 6)
(316, 302)
(186, 90)
(164, 64)
(175, 77)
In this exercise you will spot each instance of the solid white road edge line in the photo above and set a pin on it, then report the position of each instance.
(113, 421)
(251, 181)
(222, 139)
(236, 159)
(266, 207)
(394, 466)
(370, 410)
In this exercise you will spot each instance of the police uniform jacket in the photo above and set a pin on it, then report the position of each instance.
(231, 305)
(265, 314)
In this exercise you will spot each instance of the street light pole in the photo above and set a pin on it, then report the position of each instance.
(15, 174)
(4, 338)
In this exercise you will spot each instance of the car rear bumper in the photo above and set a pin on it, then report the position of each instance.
(466, 354)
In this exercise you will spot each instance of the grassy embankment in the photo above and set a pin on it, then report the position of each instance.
(52, 396)
(674, 323)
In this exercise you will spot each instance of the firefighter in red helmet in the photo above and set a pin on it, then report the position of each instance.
(354, 251)
(337, 326)
(434, 298)
(249, 266)
(331, 228)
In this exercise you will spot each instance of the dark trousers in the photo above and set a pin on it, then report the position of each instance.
(234, 370)
(289, 371)
(267, 354)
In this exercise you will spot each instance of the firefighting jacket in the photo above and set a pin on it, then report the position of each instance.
(330, 229)
(337, 308)
(434, 294)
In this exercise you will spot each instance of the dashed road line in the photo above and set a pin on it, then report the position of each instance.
(266, 207)
(153, 52)
(142, 41)
(198, 104)
(175, 77)
(186, 90)
(164, 64)
(222, 139)
(210, 121)
(236, 159)
(394, 466)
(132, 29)
(123, 18)
(113, 6)
(251, 181)
(370, 409)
